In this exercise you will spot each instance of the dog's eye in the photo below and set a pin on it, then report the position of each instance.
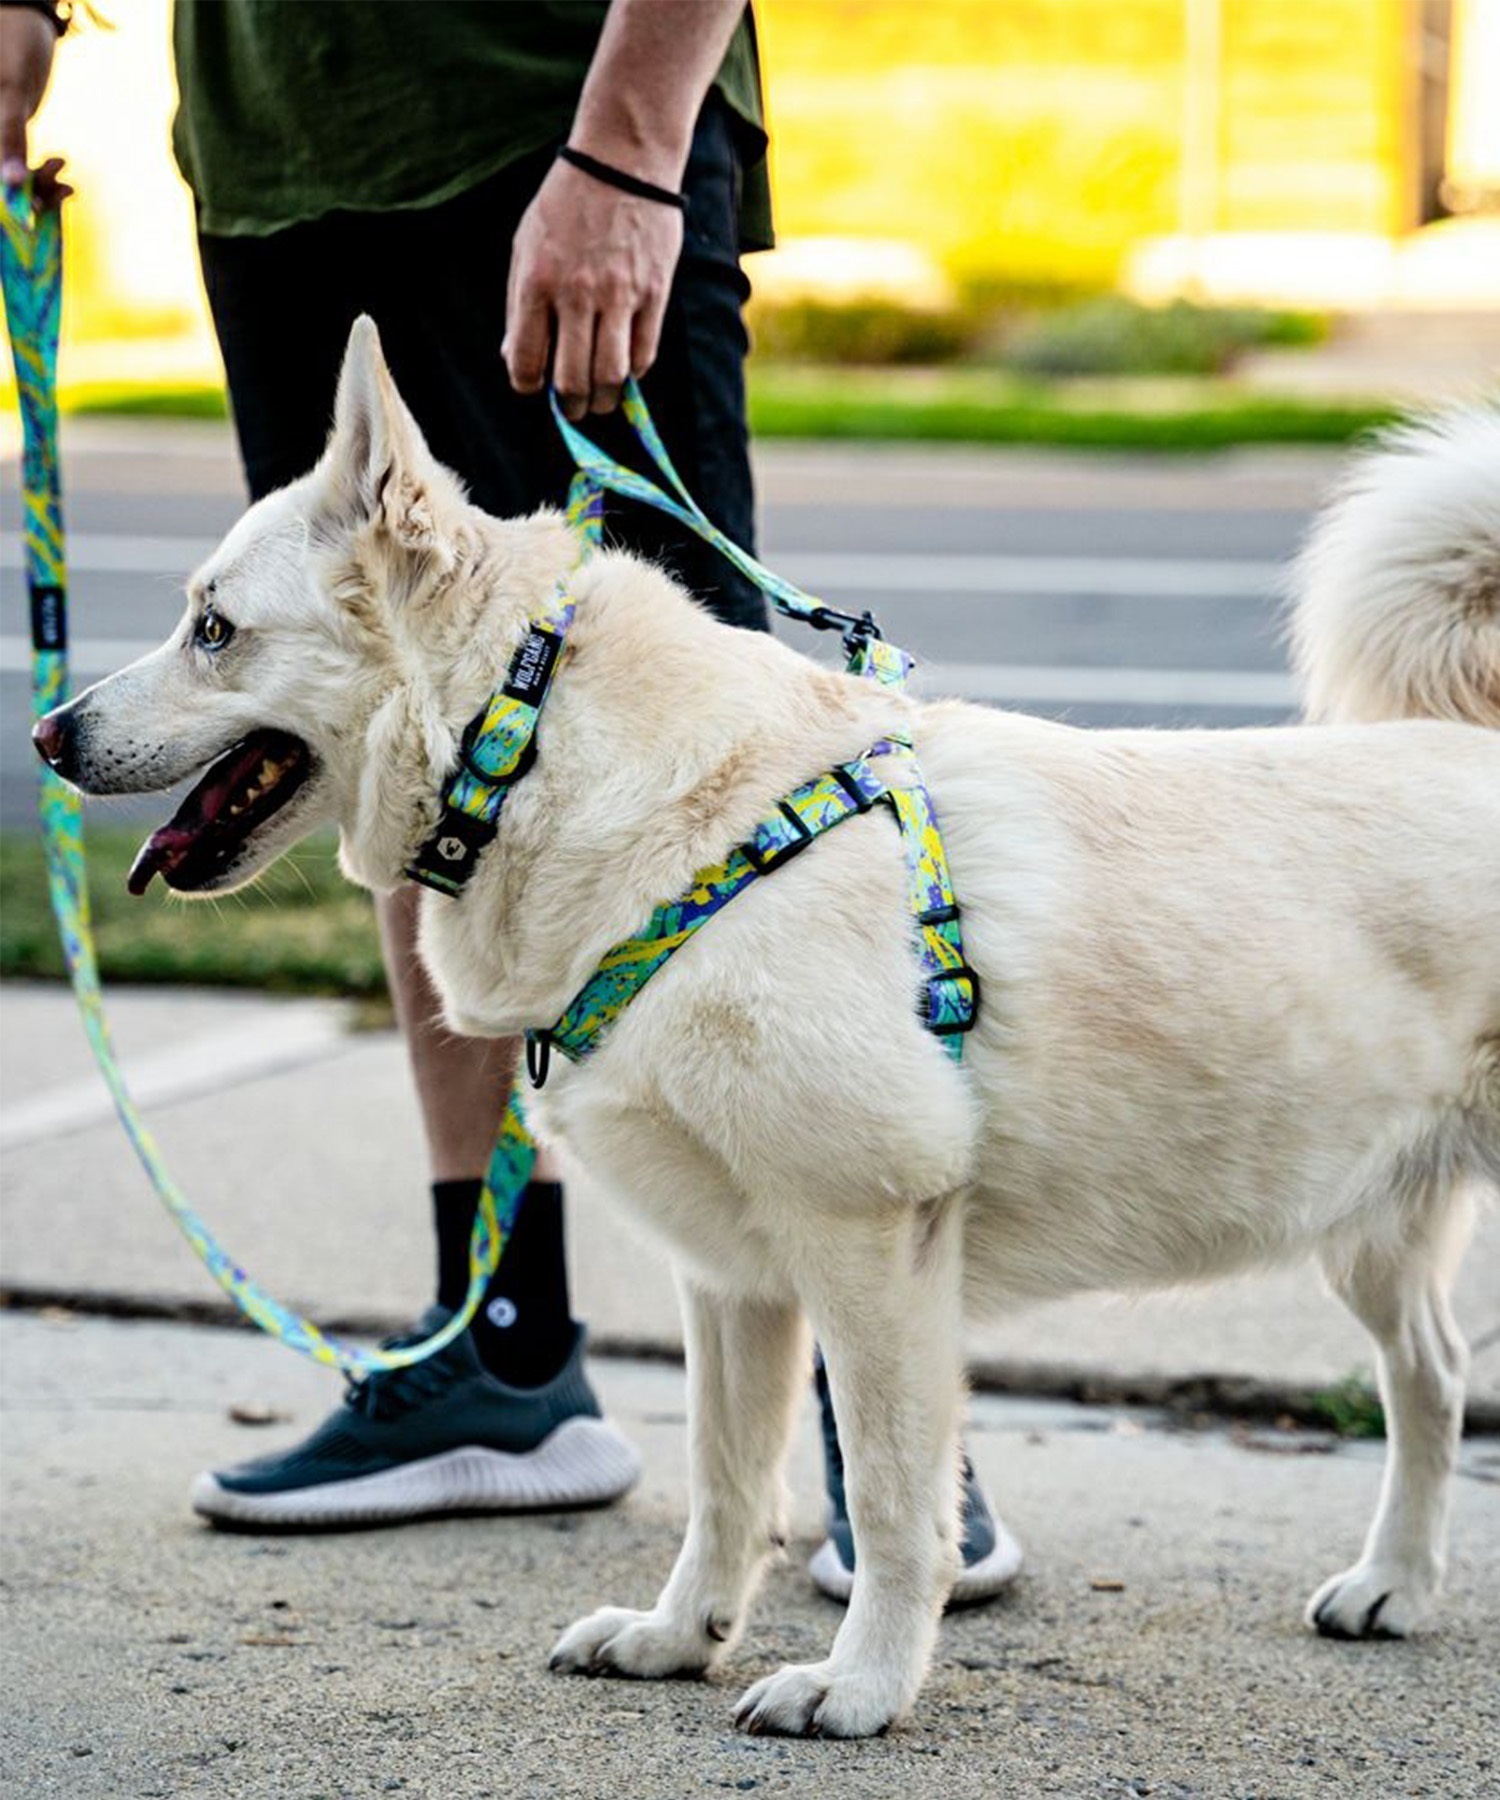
(213, 632)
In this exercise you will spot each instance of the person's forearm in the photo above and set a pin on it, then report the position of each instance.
(647, 82)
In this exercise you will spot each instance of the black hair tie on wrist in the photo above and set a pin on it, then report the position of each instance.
(622, 179)
(50, 10)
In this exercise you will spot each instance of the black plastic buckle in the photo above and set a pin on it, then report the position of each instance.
(450, 856)
(763, 861)
(964, 973)
(538, 1057)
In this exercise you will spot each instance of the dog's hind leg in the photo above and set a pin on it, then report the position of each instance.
(887, 1309)
(747, 1369)
(1399, 1292)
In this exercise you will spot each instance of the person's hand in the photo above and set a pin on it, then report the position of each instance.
(26, 46)
(594, 266)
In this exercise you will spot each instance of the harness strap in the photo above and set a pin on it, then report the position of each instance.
(951, 991)
(950, 996)
(806, 813)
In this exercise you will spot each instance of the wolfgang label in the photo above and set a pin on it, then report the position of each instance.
(49, 618)
(532, 666)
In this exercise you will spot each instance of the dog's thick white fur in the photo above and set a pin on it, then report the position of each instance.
(1241, 989)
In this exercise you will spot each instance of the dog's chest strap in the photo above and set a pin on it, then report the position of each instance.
(948, 1001)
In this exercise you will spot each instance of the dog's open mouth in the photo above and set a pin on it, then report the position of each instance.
(232, 798)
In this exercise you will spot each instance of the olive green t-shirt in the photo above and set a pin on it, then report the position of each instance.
(290, 109)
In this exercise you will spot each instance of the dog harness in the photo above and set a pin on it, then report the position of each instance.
(496, 751)
(499, 746)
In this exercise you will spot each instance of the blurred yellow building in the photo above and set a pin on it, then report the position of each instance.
(1300, 150)
(1271, 149)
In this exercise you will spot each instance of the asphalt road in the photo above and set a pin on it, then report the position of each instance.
(1103, 590)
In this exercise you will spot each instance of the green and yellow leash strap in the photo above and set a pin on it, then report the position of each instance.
(31, 270)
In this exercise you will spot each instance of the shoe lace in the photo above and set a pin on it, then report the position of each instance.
(390, 1393)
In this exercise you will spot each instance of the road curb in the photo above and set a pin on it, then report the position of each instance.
(1207, 1396)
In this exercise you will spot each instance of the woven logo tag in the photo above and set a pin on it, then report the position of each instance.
(531, 667)
(49, 619)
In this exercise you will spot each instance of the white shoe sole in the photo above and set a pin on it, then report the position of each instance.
(585, 1462)
(979, 1581)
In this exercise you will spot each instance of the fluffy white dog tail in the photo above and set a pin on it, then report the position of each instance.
(1397, 611)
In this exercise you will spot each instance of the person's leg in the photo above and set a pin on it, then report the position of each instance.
(525, 1331)
(504, 1417)
(283, 307)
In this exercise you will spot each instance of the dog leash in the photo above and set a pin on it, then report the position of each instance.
(31, 273)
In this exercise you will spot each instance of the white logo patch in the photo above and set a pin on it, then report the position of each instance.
(501, 1313)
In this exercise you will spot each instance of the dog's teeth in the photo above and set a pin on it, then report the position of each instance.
(269, 771)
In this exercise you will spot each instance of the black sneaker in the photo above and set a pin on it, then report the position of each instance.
(992, 1557)
(441, 1436)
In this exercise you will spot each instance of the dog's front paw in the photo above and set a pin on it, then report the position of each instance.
(1373, 1599)
(645, 1645)
(813, 1700)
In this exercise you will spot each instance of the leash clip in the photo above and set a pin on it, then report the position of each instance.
(858, 628)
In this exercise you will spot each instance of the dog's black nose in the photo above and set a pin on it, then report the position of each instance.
(54, 742)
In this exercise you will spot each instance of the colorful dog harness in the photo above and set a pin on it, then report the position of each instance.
(950, 992)
(496, 751)
(500, 745)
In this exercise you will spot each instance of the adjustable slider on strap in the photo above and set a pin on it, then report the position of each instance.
(763, 856)
(847, 776)
(449, 857)
(949, 1004)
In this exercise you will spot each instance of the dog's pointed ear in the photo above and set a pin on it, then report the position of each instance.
(377, 466)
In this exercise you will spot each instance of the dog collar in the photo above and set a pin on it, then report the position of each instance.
(497, 748)
(499, 744)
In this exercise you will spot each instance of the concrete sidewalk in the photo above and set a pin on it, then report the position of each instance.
(298, 1141)
(1153, 1645)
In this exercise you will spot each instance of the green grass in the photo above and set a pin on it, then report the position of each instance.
(966, 405)
(953, 404)
(1351, 1407)
(130, 399)
(301, 930)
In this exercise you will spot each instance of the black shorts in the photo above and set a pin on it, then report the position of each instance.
(434, 280)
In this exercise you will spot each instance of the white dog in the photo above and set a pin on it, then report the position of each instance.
(1241, 989)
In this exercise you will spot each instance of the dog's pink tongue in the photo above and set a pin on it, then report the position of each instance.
(160, 853)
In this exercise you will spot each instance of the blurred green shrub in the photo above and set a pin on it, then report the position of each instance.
(1111, 335)
(881, 332)
(1031, 332)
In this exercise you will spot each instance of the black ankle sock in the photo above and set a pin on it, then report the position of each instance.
(524, 1331)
